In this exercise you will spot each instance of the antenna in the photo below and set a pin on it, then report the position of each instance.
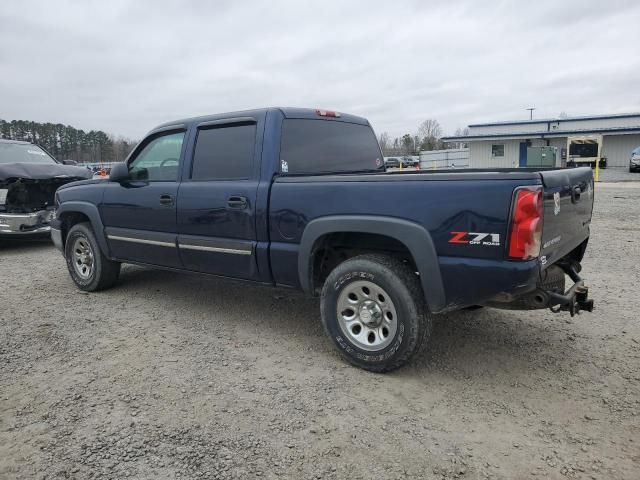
(531, 109)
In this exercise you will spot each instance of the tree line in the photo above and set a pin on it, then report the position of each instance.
(69, 143)
(428, 136)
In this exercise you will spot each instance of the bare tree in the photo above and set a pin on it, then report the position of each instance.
(460, 132)
(429, 133)
(121, 147)
(430, 128)
(385, 142)
(408, 147)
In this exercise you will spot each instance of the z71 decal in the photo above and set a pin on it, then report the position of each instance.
(475, 238)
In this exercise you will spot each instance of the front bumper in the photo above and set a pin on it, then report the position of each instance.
(24, 224)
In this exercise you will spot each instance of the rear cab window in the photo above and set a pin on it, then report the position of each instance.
(224, 152)
(311, 146)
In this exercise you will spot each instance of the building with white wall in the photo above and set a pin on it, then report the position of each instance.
(504, 144)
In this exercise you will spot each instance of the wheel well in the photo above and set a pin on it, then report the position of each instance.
(68, 220)
(334, 248)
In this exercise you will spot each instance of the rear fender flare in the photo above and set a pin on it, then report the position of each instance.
(413, 236)
(91, 211)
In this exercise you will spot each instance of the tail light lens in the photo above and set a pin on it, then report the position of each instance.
(526, 224)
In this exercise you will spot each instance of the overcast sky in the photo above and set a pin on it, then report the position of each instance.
(125, 66)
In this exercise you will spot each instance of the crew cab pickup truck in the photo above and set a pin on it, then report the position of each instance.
(299, 198)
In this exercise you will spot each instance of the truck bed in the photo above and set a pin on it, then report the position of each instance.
(441, 201)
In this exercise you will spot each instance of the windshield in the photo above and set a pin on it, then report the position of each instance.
(23, 153)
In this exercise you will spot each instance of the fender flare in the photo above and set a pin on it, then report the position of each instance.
(91, 211)
(415, 237)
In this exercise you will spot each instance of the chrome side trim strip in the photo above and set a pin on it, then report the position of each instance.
(140, 240)
(234, 251)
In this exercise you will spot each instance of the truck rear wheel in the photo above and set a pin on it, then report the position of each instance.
(89, 268)
(373, 310)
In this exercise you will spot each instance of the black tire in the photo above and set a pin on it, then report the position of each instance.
(104, 272)
(402, 285)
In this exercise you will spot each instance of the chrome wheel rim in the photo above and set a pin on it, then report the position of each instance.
(367, 315)
(82, 258)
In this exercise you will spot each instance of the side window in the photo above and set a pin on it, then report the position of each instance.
(159, 160)
(224, 153)
(497, 150)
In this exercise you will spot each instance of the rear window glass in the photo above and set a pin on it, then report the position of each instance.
(224, 153)
(324, 146)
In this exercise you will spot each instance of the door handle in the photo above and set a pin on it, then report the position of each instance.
(237, 201)
(166, 199)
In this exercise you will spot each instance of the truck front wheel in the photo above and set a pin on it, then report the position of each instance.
(89, 268)
(373, 310)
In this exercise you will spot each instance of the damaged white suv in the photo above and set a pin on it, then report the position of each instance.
(29, 178)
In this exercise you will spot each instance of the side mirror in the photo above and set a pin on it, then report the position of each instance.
(119, 172)
(69, 162)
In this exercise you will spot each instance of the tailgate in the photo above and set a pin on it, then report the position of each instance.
(568, 203)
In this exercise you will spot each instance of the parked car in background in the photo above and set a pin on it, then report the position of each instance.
(298, 198)
(29, 177)
(634, 162)
(392, 162)
(409, 161)
(101, 173)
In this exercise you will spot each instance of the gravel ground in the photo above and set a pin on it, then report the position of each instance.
(177, 376)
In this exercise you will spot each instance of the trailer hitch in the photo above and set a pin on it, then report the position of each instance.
(576, 299)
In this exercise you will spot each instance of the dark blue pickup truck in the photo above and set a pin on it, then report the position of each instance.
(299, 198)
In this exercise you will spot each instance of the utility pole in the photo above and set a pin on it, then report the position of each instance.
(531, 109)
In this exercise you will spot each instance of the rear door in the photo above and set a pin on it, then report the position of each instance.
(217, 200)
(568, 203)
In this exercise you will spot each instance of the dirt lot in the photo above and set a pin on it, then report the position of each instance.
(176, 376)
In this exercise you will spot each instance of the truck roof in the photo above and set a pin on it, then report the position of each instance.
(287, 112)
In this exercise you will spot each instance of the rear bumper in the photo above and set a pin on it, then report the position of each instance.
(472, 281)
(549, 292)
(25, 224)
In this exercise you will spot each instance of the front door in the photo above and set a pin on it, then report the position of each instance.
(140, 214)
(217, 201)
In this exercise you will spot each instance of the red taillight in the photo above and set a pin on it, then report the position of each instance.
(526, 224)
(327, 113)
